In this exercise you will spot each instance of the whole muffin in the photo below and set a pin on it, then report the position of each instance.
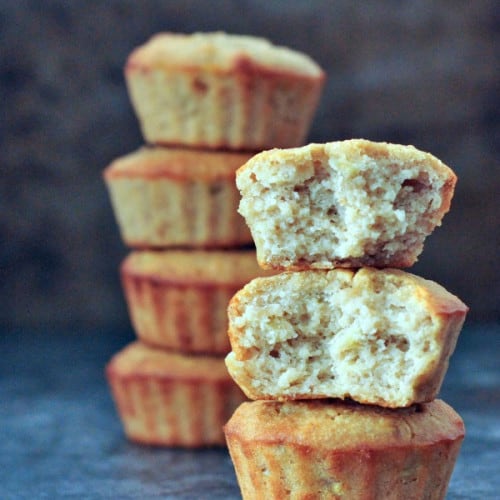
(178, 299)
(167, 399)
(343, 204)
(328, 449)
(215, 90)
(378, 336)
(164, 197)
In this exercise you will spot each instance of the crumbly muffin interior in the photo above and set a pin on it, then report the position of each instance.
(328, 336)
(333, 208)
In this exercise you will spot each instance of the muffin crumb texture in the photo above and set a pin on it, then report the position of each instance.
(343, 204)
(377, 336)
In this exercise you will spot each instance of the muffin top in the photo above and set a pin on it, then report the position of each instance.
(177, 164)
(221, 52)
(217, 267)
(139, 360)
(350, 155)
(329, 424)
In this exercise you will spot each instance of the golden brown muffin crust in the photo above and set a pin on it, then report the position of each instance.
(196, 267)
(140, 360)
(221, 53)
(177, 164)
(329, 449)
(343, 426)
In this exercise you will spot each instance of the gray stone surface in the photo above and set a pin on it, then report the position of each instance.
(61, 437)
(412, 72)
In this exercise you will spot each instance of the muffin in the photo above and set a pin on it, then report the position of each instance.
(221, 91)
(174, 197)
(327, 449)
(379, 337)
(343, 204)
(167, 399)
(178, 299)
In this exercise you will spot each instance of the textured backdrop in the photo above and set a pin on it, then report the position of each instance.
(424, 73)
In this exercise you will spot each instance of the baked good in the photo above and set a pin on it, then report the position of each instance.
(376, 336)
(177, 299)
(215, 90)
(343, 204)
(167, 399)
(328, 449)
(175, 197)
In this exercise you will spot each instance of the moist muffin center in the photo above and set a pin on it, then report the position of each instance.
(367, 209)
(335, 336)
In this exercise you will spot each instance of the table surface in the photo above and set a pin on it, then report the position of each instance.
(61, 436)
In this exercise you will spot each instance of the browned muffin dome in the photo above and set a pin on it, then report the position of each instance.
(221, 91)
(168, 399)
(326, 449)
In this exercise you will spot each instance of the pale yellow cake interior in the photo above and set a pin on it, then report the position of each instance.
(317, 333)
(337, 203)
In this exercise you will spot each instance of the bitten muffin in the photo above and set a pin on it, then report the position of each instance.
(375, 336)
(178, 299)
(166, 399)
(326, 449)
(343, 204)
(215, 90)
(173, 197)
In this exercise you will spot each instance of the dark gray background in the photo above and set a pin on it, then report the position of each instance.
(424, 73)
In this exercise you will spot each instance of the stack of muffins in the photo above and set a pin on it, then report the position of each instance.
(343, 353)
(206, 103)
